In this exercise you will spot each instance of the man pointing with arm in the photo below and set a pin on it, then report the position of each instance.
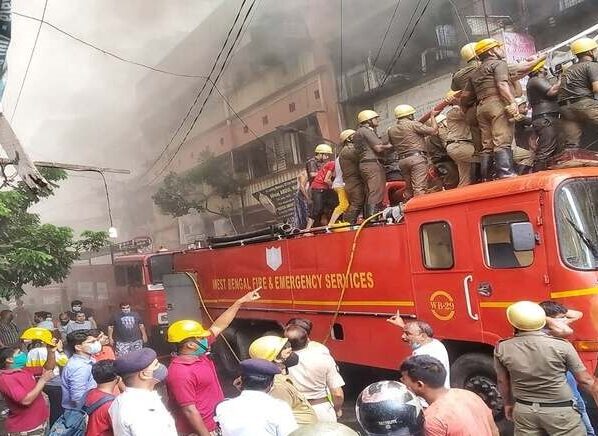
(193, 386)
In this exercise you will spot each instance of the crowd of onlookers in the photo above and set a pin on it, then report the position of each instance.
(102, 384)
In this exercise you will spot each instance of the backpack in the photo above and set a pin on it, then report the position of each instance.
(73, 422)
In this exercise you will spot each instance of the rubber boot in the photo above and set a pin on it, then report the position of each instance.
(474, 172)
(539, 165)
(503, 158)
(485, 167)
(368, 210)
(523, 169)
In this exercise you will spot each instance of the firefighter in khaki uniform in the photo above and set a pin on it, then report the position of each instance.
(460, 79)
(459, 142)
(370, 147)
(491, 84)
(409, 139)
(531, 372)
(579, 87)
(348, 159)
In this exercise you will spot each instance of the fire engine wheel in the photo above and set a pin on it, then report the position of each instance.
(475, 372)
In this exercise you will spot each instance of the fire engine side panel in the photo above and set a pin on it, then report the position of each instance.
(305, 277)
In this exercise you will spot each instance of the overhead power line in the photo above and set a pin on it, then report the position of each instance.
(39, 28)
(390, 68)
(215, 81)
(392, 18)
(198, 95)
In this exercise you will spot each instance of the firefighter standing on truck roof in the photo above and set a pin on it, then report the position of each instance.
(491, 84)
(531, 368)
(448, 175)
(459, 142)
(408, 138)
(579, 87)
(542, 97)
(323, 198)
(370, 148)
(460, 79)
(348, 159)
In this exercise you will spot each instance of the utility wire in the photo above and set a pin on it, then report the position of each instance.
(106, 52)
(407, 41)
(39, 28)
(215, 81)
(394, 13)
(198, 95)
(403, 35)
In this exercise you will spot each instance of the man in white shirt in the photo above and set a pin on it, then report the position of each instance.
(139, 410)
(316, 375)
(419, 335)
(254, 412)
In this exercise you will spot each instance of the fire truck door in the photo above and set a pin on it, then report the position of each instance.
(441, 271)
(181, 298)
(504, 272)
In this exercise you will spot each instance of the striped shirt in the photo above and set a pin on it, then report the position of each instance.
(9, 333)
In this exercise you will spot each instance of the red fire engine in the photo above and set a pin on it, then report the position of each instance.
(456, 259)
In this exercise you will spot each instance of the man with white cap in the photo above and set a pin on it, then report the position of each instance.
(139, 410)
(531, 368)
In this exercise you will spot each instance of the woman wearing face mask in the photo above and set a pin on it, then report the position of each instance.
(28, 412)
(139, 410)
(278, 350)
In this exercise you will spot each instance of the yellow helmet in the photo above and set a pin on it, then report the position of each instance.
(468, 52)
(404, 110)
(538, 66)
(346, 134)
(583, 45)
(483, 45)
(526, 316)
(323, 149)
(38, 334)
(185, 329)
(267, 347)
(366, 115)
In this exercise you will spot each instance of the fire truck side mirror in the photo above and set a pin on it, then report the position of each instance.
(522, 236)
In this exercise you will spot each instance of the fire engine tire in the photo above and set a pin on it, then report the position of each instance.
(475, 372)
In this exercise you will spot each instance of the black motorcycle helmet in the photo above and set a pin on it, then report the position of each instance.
(388, 408)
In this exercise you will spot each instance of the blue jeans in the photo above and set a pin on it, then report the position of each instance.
(580, 404)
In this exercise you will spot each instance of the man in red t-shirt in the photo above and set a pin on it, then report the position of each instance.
(451, 411)
(323, 197)
(193, 387)
(104, 374)
(28, 412)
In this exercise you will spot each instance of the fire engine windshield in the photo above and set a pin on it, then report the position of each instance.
(577, 223)
(159, 266)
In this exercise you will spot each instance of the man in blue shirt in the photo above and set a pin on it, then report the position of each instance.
(76, 375)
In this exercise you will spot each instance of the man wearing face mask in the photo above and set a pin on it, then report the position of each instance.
(193, 386)
(278, 350)
(419, 335)
(76, 307)
(126, 331)
(76, 375)
(28, 412)
(139, 410)
(63, 321)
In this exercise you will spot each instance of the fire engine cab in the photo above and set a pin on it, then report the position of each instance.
(455, 259)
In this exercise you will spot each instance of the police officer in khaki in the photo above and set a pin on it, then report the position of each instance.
(348, 159)
(459, 141)
(460, 79)
(531, 368)
(408, 137)
(579, 87)
(496, 105)
(370, 148)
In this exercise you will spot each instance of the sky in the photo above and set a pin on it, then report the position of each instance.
(79, 105)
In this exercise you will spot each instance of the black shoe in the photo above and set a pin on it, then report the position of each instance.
(523, 169)
(486, 167)
(539, 166)
(475, 173)
(503, 158)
